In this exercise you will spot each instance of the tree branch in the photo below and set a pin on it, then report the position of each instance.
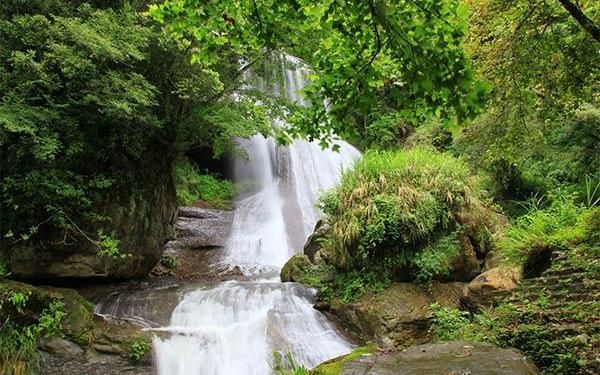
(587, 23)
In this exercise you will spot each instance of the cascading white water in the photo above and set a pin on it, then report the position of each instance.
(234, 327)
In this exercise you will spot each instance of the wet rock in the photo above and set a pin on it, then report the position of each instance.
(201, 234)
(400, 315)
(86, 337)
(313, 243)
(91, 363)
(465, 266)
(482, 290)
(448, 358)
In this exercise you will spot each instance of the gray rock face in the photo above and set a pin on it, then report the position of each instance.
(201, 228)
(201, 234)
(91, 364)
(453, 357)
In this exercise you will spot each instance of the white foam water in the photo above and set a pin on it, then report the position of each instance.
(234, 327)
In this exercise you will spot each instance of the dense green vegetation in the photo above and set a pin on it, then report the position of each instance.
(406, 212)
(405, 54)
(94, 100)
(193, 186)
(543, 319)
(21, 329)
(480, 122)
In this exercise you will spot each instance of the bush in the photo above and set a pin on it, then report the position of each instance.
(287, 365)
(405, 211)
(446, 322)
(431, 133)
(19, 333)
(138, 349)
(386, 131)
(193, 186)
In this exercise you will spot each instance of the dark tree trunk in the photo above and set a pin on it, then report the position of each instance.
(588, 24)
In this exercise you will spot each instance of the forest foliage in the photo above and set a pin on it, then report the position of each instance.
(407, 54)
(468, 106)
(93, 95)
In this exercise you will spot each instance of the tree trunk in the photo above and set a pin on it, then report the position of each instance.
(588, 24)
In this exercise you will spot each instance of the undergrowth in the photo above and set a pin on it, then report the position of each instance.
(543, 321)
(192, 186)
(560, 226)
(19, 353)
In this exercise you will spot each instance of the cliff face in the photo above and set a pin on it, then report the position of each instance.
(140, 209)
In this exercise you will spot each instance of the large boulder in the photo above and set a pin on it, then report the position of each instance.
(400, 315)
(141, 218)
(482, 290)
(201, 228)
(453, 357)
(88, 345)
(201, 235)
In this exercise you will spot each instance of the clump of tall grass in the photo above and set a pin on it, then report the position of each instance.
(410, 209)
(563, 225)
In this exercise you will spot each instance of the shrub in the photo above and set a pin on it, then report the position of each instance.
(433, 134)
(287, 365)
(138, 349)
(192, 186)
(386, 132)
(404, 211)
(446, 323)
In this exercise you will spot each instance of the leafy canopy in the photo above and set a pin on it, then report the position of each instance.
(407, 53)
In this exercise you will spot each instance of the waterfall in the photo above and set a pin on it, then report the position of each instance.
(234, 327)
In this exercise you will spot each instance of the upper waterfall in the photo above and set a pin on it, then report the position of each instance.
(274, 223)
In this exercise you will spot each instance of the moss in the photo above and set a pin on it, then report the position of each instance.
(335, 366)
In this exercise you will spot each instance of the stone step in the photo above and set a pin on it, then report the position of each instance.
(575, 328)
(563, 271)
(559, 279)
(531, 296)
(585, 285)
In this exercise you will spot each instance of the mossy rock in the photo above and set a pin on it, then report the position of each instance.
(78, 322)
(121, 339)
(313, 245)
(298, 269)
(336, 365)
(398, 316)
(453, 357)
